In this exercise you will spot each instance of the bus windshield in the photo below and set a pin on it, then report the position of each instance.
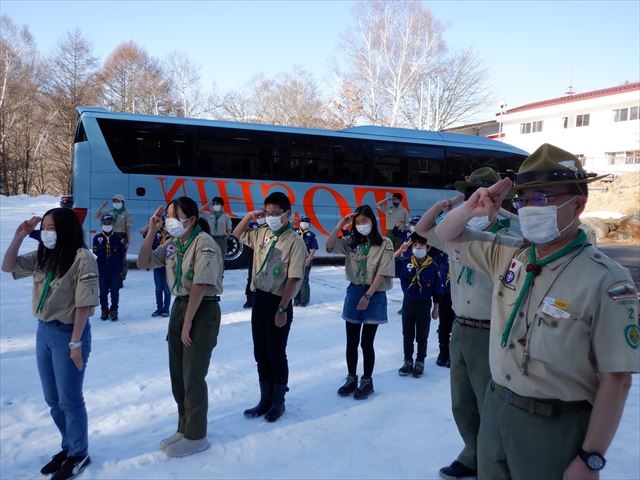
(325, 173)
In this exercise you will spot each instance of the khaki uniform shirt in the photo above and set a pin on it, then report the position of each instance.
(76, 288)
(396, 215)
(121, 220)
(286, 260)
(379, 260)
(580, 317)
(202, 264)
(223, 224)
(471, 289)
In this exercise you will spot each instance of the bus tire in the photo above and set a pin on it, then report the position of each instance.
(237, 254)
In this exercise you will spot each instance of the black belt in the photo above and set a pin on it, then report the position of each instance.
(544, 408)
(472, 322)
(208, 298)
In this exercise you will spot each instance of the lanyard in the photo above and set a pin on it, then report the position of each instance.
(181, 251)
(533, 269)
(46, 290)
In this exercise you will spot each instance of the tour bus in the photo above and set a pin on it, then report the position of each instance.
(325, 173)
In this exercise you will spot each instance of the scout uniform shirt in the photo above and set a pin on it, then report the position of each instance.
(121, 220)
(396, 215)
(201, 263)
(471, 289)
(379, 261)
(579, 317)
(76, 288)
(276, 258)
(219, 223)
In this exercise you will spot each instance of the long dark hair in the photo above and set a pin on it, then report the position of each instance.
(190, 208)
(69, 238)
(374, 237)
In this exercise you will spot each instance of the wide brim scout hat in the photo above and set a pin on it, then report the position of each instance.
(550, 165)
(481, 177)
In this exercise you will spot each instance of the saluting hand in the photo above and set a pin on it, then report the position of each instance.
(448, 204)
(405, 246)
(155, 222)
(487, 201)
(26, 227)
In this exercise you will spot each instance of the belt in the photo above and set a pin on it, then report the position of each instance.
(544, 408)
(208, 298)
(472, 322)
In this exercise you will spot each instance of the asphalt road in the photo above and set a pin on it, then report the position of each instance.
(627, 255)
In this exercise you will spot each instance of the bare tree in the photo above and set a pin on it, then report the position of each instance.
(184, 84)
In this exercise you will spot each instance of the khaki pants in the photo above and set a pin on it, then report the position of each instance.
(188, 367)
(514, 443)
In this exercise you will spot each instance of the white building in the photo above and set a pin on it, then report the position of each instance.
(601, 127)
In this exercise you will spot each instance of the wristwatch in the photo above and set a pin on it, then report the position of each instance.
(74, 345)
(367, 296)
(593, 460)
(282, 309)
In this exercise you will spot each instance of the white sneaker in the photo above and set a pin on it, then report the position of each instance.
(176, 437)
(186, 447)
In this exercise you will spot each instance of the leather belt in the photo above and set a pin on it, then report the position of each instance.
(535, 406)
(208, 298)
(472, 322)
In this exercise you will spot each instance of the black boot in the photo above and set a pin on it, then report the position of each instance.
(443, 356)
(264, 404)
(277, 403)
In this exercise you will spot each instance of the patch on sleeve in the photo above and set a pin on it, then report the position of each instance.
(632, 335)
(208, 251)
(622, 290)
(88, 277)
(170, 251)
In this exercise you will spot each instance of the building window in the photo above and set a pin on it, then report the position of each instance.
(537, 126)
(620, 115)
(623, 158)
(582, 120)
(565, 122)
(530, 127)
(633, 113)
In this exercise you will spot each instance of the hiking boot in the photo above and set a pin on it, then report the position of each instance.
(442, 360)
(113, 314)
(350, 386)
(418, 369)
(186, 447)
(72, 467)
(263, 406)
(364, 389)
(277, 403)
(104, 314)
(457, 471)
(406, 368)
(157, 313)
(55, 464)
(176, 437)
(247, 304)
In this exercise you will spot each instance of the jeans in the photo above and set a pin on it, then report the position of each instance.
(304, 294)
(62, 383)
(109, 281)
(416, 320)
(162, 289)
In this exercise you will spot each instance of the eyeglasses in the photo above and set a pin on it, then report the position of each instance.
(273, 214)
(535, 200)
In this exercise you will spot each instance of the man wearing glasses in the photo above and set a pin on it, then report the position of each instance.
(564, 326)
(278, 267)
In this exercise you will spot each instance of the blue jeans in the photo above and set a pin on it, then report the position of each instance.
(109, 282)
(162, 289)
(62, 382)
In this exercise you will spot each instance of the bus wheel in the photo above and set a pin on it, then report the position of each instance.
(237, 255)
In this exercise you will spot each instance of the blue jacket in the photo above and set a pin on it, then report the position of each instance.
(441, 259)
(309, 239)
(110, 251)
(426, 286)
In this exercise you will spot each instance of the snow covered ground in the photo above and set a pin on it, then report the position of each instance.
(405, 430)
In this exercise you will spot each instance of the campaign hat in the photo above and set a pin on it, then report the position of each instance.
(481, 177)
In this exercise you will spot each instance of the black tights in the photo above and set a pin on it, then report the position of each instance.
(366, 343)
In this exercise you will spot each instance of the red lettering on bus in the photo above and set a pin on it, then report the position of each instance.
(179, 183)
(289, 193)
(246, 197)
(343, 205)
(202, 192)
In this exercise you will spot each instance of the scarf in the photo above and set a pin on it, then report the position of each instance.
(362, 264)
(181, 251)
(274, 240)
(46, 290)
(418, 269)
(217, 216)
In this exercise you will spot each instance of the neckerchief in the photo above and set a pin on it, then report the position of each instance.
(181, 251)
(107, 245)
(498, 225)
(116, 213)
(362, 264)
(418, 268)
(46, 290)
(274, 240)
(533, 269)
(217, 217)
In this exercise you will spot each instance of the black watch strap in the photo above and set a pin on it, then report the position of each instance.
(594, 461)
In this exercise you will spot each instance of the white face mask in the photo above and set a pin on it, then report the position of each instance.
(175, 227)
(49, 238)
(261, 220)
(217, 208)
(479, 223)
(107, 228)
(117, 205)
(364, 229)
(419, 252)
(275, 223)
(412, 228)
(539, 225)
(304, 225)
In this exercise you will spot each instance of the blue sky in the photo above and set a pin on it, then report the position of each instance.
(532, 49)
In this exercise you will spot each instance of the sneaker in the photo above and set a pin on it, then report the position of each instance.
(406, 368)
(165, 313)
(364, 389)
(72, 467)
(104, 315)
(186, 447)
(113, 314)
(157, 313)
(350, 386)
(55, 464)
(418, 369)
(176, 437)
(457, 471)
